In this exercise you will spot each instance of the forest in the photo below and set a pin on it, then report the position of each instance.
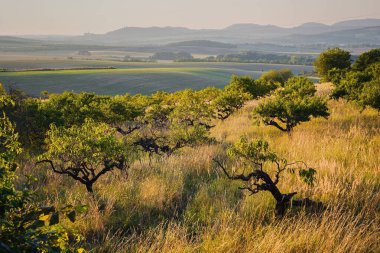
(273, 164)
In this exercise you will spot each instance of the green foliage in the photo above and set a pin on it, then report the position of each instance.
(277, 76)
(10, 148)
(90, 143)
(298, 87)
(330, 59)
(370, 95)
(366, 59)
(308, 175)
(246, 84)
(256, 57)
(292, 105)
(86, 152)
(228, 102)
(175, 56)
(24, 226)
(349, 85)
(361, 84)
(260, 169)
(172, 121)
(374, 71)
(72, 109)
(256, 151)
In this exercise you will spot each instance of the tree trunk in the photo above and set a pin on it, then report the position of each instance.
(89, 188)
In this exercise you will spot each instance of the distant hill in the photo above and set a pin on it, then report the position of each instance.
(368, 35)
(311, 28)
(201, 43)
(358, 23)
(11, 39)
(345, 32)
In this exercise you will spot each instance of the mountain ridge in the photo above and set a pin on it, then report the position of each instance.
(233, 34)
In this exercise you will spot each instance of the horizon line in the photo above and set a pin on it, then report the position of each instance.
(189, 28)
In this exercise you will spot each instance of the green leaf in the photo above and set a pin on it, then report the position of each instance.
(81, 209)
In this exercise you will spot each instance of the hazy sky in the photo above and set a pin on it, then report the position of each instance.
(99, 16)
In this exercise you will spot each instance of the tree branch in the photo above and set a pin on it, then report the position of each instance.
(275, 124)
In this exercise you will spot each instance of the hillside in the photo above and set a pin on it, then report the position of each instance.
(366, 35)
(184, 203)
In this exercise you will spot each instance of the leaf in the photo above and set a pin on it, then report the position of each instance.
(44, 217)
(308, 176)
(37, 224)
(54, 219)
(71, 215)
(81, 209)
(47, 209)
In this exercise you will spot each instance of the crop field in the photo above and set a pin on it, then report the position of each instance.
(144, 78)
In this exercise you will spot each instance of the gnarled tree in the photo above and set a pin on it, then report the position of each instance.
(256, 157)
(86, 152)
(291, 105)
(170, 122)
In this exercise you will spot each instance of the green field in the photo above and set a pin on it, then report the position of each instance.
(133, 78)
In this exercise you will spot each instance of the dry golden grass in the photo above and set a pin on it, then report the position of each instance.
(181, 204)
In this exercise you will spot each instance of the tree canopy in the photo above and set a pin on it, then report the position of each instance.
(24, 226)
(85, 152)
(366, 59)
(295, 103)
(333, 58)
(360, 84)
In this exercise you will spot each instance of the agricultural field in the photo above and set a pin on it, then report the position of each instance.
(127, 77)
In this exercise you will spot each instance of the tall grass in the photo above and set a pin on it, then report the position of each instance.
(182, 203)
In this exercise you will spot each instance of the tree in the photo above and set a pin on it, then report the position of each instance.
(176, 120)
(277, 76)
(228, 102)
(366, 59)
(257, 158)
(349, 85)
(370, 95)
(24, 226)
(169, 122)
(330, 59)
(86, 152)
(292, 105)
(246, 84)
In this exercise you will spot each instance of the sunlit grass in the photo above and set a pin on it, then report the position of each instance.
(182, 203)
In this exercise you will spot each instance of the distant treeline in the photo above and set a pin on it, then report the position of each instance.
(173, 56)
(250, 57)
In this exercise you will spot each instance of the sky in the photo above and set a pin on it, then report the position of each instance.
(74, 17)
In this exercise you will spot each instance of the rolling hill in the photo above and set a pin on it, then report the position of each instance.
(240, 34)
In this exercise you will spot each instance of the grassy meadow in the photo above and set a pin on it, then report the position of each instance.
(128, 77)
(183, 203)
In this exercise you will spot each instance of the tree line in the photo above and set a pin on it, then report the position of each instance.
(255, 57)
(358, 82)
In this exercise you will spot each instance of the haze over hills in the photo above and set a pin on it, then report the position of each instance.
(309, 37)
(347, 32)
